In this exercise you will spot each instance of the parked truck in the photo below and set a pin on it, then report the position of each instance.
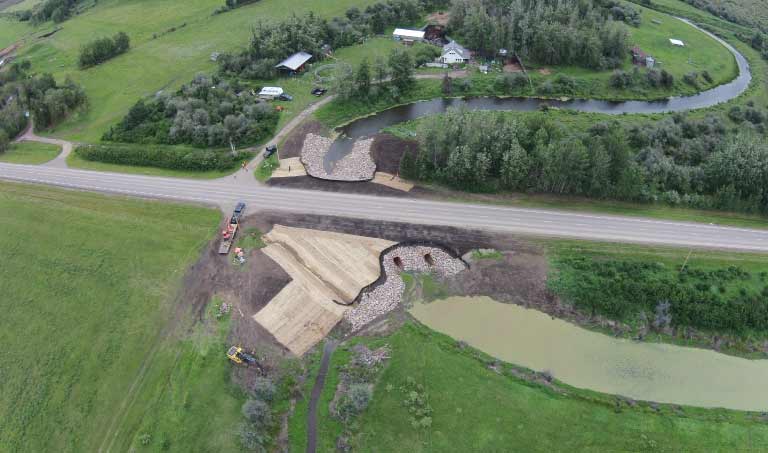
(229, 232)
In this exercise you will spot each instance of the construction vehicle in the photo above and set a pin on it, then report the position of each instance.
(237, 355)
(228, 234)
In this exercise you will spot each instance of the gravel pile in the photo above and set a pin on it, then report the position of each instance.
(313, 152)
(358, 165)
(388, 295)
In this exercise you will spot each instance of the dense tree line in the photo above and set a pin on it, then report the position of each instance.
(678, 160)
(273, 41)
(175, 158)
(386, 78)
(729, 11)
(556, 32)
(229, 5)
(207, 112)
(758, 41)
(715, 300)
(48, 102)
(54, 10)
(102, 49)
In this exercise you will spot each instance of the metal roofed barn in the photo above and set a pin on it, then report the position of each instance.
(295, 62)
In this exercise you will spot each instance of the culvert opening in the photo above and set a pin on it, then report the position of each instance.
(398, 262)
(428, 258)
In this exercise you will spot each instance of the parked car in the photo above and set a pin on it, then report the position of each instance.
(285, 97)
(239, 209)
(317, 91)
(269, 151)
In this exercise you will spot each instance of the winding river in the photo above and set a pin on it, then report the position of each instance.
(370, 125)
(590, 360)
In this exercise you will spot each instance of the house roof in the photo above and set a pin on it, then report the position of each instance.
(676, 42)
(418, 34)
(295, 61)
(271, 91)
(456, 47)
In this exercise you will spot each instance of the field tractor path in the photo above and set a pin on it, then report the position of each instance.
(317, 390)
(130, 397)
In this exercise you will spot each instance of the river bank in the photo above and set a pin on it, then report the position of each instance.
(589, 360)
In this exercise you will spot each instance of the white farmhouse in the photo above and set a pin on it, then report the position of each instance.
(453, 53)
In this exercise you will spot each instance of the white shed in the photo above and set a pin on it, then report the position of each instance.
(676, 42)
(404, 34)
(270, 92)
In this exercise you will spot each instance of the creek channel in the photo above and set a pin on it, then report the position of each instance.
(590, 360)
(369, 125)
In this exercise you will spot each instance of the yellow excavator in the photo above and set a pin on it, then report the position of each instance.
(237, 355)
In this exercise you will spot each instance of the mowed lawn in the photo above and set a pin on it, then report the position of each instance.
(152, 64)
(30, 153)
(476, 409)
(87, 283)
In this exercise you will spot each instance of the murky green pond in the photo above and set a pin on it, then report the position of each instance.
(590, 360)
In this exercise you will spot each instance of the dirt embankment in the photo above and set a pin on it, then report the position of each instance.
(387, 151)
(293, 144)
(248, 289)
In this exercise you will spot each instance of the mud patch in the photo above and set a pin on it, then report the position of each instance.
(248, 289)
(518, 277)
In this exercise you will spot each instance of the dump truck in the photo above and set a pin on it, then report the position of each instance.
(237, 355)
(229, 232)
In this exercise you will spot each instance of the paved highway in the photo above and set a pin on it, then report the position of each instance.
(537, 222)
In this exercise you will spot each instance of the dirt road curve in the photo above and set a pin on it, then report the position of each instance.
(66, 147)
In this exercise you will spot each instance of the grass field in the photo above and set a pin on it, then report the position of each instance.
(83, 302)
(191, 403)
(701, 53)
(151, 64)
(113, 87)
(476, 409)
(30, 153)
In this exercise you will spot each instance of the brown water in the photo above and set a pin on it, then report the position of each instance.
(590, 360)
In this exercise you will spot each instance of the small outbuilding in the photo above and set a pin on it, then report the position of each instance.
(406, 35)
(454, 53)
(295, 63)
(270, 92)
(676, 42)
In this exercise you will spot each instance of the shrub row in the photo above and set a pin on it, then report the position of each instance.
(175, 158)
(102, 49)
(717, 299)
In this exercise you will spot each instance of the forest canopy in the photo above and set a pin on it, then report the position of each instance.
(207, 112)
(47, 101)
(679, 161)
(556, 32)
